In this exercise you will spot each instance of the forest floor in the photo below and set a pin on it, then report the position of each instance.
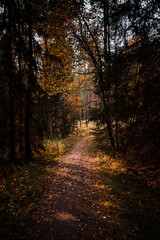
(130, 199)
(95, 196)
(88, 195)
(70, 207)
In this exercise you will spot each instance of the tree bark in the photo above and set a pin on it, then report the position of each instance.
(12, 122)
(11, 84)
(108, 120)
(28, 93)
(20, 84)
(105, 91)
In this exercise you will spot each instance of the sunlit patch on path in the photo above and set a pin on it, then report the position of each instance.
(70, 207)
(64, 216)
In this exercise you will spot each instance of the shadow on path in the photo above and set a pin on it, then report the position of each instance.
(70, 207)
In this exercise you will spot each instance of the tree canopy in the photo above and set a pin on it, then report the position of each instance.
(64, 61)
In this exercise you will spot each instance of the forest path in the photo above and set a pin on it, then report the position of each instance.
(70, 207)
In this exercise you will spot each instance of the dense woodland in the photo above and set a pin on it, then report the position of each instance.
(68, 68)
(66, 61)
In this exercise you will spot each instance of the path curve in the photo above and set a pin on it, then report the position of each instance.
(70, 208)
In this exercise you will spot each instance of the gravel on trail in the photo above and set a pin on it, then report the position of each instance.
(70, 207)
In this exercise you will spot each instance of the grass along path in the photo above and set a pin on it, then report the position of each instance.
(118, 205)
(131, 207)
(21, 186)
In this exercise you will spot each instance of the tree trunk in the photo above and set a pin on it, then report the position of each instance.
(12, 122)
(86, 90)
(117, 132)
(50, 125)
(28, 96)
(27, 126)
(20, 85)
(105, 93)
(109, 124)
(11, 84)
(80, 114)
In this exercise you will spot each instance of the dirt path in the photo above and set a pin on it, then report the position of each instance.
(70, 207)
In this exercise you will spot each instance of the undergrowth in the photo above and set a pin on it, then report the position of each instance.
(131, 207)
(21, 187)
